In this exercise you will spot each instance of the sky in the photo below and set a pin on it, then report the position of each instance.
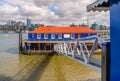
(51, 12)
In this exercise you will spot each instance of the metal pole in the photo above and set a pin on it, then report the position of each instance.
(106, 61)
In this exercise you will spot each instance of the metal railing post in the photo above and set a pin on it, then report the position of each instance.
(106, 61)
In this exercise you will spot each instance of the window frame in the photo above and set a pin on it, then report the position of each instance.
(67, 34)
(53, 36)
(72, 35)
(39, 36)
(46, 36)
(60, 36)
(79, 36)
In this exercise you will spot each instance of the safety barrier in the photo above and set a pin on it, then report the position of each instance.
(79, 50)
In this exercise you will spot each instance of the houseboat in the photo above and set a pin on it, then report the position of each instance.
(43, 39)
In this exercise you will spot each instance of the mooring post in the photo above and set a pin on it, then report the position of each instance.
(106, 61)
(20, 40)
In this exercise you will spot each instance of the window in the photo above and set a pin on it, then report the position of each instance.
(38, 36)
(72, 36)
(66, 35)
(53, 36)
(60, 36)
(46, 36)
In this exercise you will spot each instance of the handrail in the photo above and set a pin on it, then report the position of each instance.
(77, 49)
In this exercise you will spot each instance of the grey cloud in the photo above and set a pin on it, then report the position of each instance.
(67, 11)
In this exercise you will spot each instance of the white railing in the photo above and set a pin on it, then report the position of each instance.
(78, 49)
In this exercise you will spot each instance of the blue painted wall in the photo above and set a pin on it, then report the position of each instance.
(29, 36)
(115, 40)
(32, 38)
(42, 36)
(84, 35)
(56, 37)
(75, 36)
(92, 34)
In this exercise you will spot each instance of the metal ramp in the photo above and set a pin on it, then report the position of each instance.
(78, 50)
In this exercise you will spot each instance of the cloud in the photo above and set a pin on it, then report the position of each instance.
(32, 11)
(9, 10)
(99, 17)
(66, 11)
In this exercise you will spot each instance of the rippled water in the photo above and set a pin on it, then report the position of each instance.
(15, 67)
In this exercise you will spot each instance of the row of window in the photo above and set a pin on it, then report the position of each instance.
(53, 36)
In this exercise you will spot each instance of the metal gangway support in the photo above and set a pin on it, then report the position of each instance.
(80, 51)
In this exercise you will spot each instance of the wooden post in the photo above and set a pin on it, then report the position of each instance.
(39, 47)
(20, 41)
(29, 49)
(34, 48)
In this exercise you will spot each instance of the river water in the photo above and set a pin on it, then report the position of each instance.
(15, 67)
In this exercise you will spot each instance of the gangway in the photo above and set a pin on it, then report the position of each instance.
(79, 51)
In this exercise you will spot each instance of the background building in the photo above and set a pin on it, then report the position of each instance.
(28, 22)
(101, 29)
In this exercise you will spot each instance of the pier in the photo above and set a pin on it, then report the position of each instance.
(81, 50)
